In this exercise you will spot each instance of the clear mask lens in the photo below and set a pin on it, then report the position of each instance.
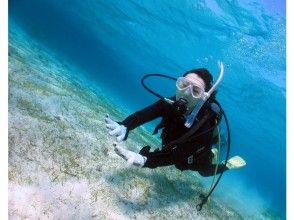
(183, 84)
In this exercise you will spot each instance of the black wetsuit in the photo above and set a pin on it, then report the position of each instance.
(194, 154)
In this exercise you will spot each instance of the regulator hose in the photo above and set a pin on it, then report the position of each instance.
(158, 75)
(204, 199)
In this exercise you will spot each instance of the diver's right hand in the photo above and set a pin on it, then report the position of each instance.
(130, 156)
(116, 129)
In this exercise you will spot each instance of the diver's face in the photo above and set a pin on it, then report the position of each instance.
(191, 89)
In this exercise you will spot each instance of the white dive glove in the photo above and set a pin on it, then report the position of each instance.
(116, 129)
(130, 156)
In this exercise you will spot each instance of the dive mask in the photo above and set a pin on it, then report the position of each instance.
(190, 91)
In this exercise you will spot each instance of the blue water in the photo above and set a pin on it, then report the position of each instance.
(116, 42)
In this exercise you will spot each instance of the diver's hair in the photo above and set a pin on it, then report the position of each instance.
(207, 78)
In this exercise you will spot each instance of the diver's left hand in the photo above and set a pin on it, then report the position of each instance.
(120, 131)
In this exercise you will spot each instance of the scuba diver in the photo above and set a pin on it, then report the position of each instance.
(189, 123)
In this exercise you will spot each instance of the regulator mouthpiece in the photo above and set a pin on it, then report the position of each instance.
(180, 106)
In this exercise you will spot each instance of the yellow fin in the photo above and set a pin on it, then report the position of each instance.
(235, 162)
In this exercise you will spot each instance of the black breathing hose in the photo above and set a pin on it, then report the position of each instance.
(205, 198)
(155, 74)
